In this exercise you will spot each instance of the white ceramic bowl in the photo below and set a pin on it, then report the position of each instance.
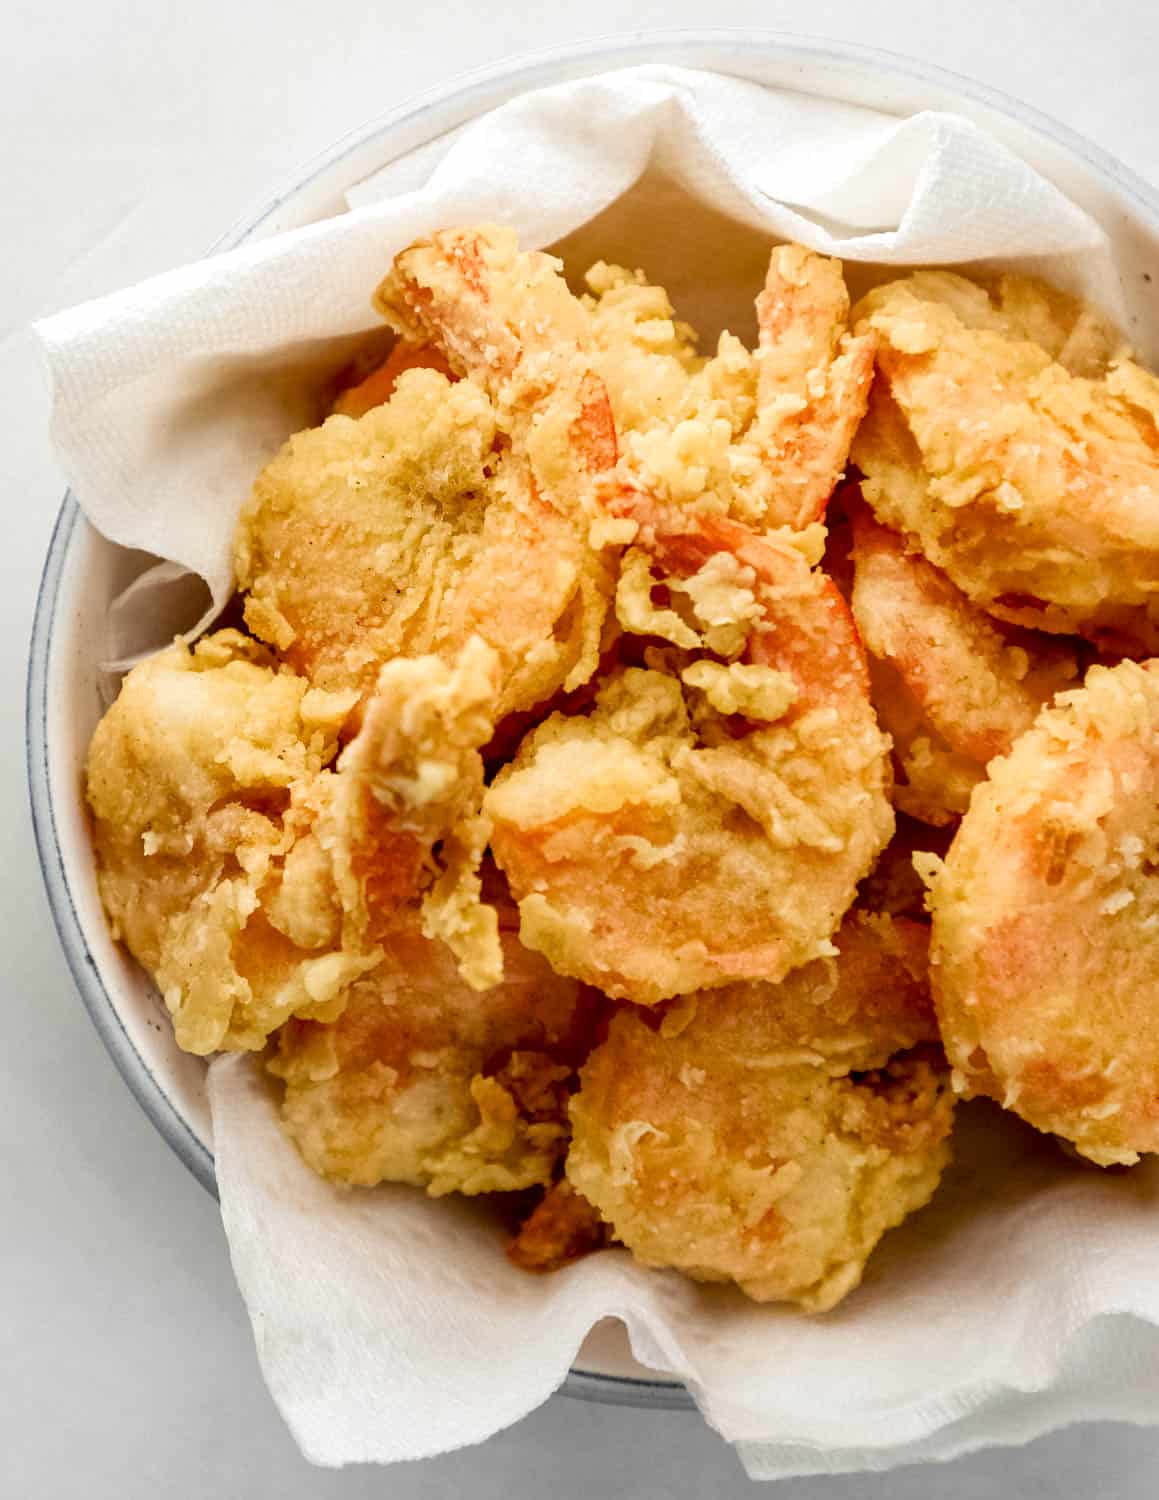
(84, 572)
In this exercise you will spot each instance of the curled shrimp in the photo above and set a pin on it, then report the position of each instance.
(252, 879)
(1046, 922)
(710, 818)
(506, 319)
(426, 1081)
(764, 434)
(769, 1134)
(1027, 471)
(454, 508)
(953, 687)
(813, 384)
(205, 779)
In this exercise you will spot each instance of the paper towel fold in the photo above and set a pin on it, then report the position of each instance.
(390, 1326)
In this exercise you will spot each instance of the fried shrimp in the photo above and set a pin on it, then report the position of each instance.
(952, 686)
(377, 387)
(1035, 488)
(770, 1134)
(408, 531)
(411, 784)
(506, 319)
(423, 1080)
(710, 818)
(1046, 922)
(762, 436)
(253, 882)
(617, 806)
(812, 385)
(205, 780)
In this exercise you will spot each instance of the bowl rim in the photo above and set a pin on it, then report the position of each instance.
(523, 71)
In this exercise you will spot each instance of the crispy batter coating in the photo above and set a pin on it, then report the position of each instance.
(205, 780)
(761, 436)
(405, 813)
(709, 819)
(813, 383)
(646, 357)
(493, 310)
(1028, 472)
(953, 687)
(1046, 922)
(770, 1134)
(406, 531)
(506, 319)
(547, 542)
(426, 1081)
(561, 1228)
(250, 881)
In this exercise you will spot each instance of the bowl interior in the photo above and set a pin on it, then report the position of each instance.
(85, 572)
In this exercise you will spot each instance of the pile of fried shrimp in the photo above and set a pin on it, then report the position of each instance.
(656, 787)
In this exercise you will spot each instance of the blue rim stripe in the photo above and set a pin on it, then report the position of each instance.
(82, 965)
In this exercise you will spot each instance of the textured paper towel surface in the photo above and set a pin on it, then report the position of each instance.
(390, 1326)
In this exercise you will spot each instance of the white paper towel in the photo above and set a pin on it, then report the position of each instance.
(390, 1326)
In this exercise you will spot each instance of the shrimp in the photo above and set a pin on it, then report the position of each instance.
(377, 387)
(458, 507)
(769, 1134)
(507, 320)
(405, 811)
(425, 1081)
(252, 879)
(710, 818)
(953, 687)
(813, 384)
(764, 435)
(206, 778)
(1046, 922)
(1035, 489)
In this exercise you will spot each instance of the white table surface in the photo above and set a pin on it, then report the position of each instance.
(131, 133)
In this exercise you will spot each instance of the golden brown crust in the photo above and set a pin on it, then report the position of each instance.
(249, 878)
(737, 1142)
(405, 814)
(1046, 922)
(427, 1081)
(1034, 488)
(952, 686)
(505, 318)
(707, 821)
(206, 781)
(405, 532)
(761, 436)
(561, 1228)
